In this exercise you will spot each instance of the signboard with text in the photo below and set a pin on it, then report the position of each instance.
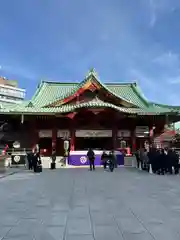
(45, 133)
(65, 134)
(142, 130)
(93, 133)
(123, 133)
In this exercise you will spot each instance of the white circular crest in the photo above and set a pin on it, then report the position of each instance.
(16, 144)
(16, 159)
(83, 159)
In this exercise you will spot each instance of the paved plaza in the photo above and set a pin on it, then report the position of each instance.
(75, 204)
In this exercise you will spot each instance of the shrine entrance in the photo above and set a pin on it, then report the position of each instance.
(96, 143)
(93, 130)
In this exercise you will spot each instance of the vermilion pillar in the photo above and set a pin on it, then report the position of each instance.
(73, 137)
(133, 137)
(54, 137)
(114, 136)
(35, 135)
(151, 134)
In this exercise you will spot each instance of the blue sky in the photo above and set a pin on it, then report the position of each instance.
(124, 40)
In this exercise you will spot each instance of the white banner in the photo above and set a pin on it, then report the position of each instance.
(45, 133)
(124, 133)
(64, 133)
(94, 133)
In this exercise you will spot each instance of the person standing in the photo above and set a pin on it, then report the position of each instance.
(30, 158)
(170, 161)
(175, 160)
(112, 160)
(35, 160)
(53, 157)
(104, 158)
(145, 160)
(163, 161)
(141, 156)
(152, 158)
(137, 155)
(176, 169)
(91, 157)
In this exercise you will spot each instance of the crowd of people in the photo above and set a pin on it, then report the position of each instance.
(162, 160)
(107, 159)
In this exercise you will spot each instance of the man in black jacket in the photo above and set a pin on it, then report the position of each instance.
(91, 157)
(104, 158)
(175, 160)
(53, 157)
(30, 159)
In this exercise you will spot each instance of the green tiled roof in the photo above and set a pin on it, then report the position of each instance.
(95, 103)
(49, 92)
(158, 105)
(129, 92)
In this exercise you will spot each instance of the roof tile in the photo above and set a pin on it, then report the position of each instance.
(49, 92)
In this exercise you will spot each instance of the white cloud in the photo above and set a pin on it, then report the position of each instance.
(160, 7)
(174, 99)
(153, 19)
(175, 80)
(153, 13)
(168, 64)
(168, 59)
(156, 89)
(141, 78)
(150, 87)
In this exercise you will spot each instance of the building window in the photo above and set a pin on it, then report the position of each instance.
(13, 93)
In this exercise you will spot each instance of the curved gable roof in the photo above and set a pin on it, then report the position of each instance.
(50, 92)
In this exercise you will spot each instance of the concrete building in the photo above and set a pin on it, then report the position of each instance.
(9, 91)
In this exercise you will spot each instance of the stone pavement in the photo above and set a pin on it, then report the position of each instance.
(75, 204)
(11, 171)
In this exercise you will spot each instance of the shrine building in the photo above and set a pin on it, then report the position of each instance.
(88, 114)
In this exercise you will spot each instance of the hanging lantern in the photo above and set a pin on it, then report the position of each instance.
(16, 144)
(22, 119)
(37, 147)
(123, 144)
(66, 145)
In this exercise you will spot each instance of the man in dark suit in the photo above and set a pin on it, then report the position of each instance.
(91, 157)
(30, 158)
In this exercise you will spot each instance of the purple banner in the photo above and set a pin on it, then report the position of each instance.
(80, 160)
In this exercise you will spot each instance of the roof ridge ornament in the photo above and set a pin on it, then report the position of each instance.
(30, 104)
(92, 72)
(96, 99)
